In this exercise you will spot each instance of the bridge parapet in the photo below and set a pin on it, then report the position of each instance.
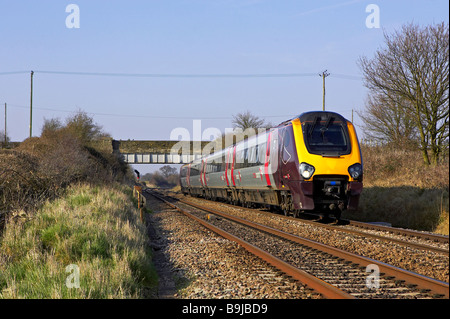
(159, 152)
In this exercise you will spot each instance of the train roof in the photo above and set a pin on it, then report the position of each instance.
(311, 115)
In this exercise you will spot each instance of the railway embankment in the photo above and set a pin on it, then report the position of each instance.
(41, 168)
(401, 190)
(68, 226)
(89, 243)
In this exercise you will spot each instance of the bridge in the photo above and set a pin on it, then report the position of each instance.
(149, 152)
(159, 152)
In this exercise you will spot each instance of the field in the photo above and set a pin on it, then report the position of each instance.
(401, 190)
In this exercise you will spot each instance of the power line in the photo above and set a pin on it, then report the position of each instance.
(147, 116)
(162, 75)
(184, 75)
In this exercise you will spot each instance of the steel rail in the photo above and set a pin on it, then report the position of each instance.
(320, 286)
(401, 231)
(405, 232)
(423, 282)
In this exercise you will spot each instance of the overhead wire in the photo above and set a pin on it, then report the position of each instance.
(185, 75)
(172, 75)
(143, 116)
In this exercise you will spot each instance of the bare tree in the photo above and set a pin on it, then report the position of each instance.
(245, 125)
(51, 126)
(247, 120)
(168, 170)
(389, 122)
(414, 68)
(83, 127)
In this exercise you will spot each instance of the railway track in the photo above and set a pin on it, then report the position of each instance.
(432, 238)
(405, 237)
(214, 267)
(332, 272)
(399, 252)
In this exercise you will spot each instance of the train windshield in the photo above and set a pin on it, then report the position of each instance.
(326, 136)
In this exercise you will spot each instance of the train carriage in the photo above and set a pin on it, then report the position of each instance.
(311, 163)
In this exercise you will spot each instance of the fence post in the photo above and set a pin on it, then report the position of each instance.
(140, 198)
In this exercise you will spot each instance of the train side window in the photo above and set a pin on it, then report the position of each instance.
(223, 162)
(262, 153)
(286, 138)
(246, 157)
(252, 161)
(195, 171)
(239, 159)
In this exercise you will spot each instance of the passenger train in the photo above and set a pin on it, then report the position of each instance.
(311, 163)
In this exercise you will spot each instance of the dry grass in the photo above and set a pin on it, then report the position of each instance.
(401, 190)
(95, 228)
(40, 168)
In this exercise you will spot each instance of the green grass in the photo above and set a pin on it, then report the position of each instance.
(95, 228)
(79, 200)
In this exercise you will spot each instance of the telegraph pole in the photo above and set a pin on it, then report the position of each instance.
(324, 75)
(5, 125)
(31, 105)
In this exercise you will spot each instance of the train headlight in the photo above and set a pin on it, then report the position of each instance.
(355, 171)
(306, 170)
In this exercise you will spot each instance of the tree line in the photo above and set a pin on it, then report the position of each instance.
(408, 87)
(166, 176)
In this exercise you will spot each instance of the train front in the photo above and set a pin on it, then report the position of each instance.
(330, 163)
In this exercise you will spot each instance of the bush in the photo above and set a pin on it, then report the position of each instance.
(41, 168)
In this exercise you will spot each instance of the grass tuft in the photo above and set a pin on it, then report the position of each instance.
(97, 229)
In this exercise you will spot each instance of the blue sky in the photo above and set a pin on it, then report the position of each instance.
(189, 37)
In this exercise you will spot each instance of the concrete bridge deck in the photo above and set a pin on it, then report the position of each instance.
(159, 152)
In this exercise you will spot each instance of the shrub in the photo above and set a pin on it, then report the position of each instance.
(41, 168)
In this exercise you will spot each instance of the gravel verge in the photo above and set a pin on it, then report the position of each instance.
(204, 265)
